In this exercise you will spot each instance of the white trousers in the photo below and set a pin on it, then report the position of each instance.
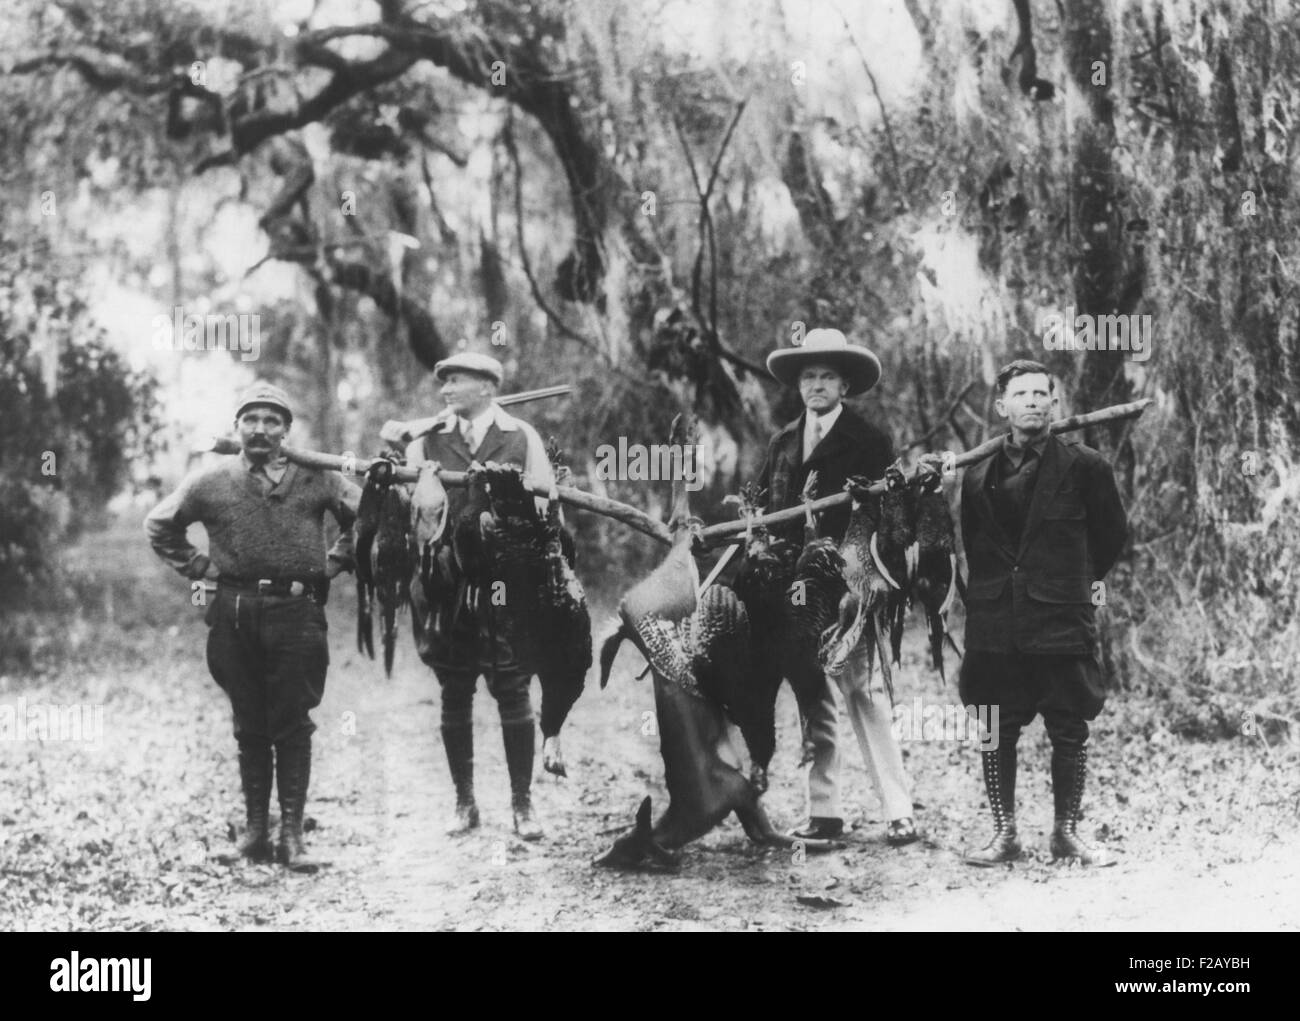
(872, 720)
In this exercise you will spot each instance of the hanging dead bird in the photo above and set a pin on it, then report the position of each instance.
(468, 565)
(384, 557)
(531, 597)
(392, 558)
(893, 548)
(936, 562)
(429, 508)
(862, 608)
(369, 511)
(433, 586)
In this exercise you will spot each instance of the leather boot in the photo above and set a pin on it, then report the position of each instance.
(256, 777)
(255, 773)
(293, 774)
(1000, 783)
(520, 740)
(459, 744)
(1069, 771)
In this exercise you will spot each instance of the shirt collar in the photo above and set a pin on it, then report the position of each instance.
(827, 421)
(482, 421)
(1017, 454)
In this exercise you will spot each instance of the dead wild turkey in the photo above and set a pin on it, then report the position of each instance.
(529, 594)
(694, 644)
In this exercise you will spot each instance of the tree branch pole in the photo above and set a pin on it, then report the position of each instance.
(643, 522)
(630, 516)
(728, 529)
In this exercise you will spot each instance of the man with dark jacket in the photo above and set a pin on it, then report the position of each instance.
(267, 643)
(834, 442)
(1042, 524)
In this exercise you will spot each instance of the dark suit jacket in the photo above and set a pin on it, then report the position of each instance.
(1037, 596)
(852, 447)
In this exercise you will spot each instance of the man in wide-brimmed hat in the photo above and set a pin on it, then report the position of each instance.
(474, 428)
(267, 640)
(836, 443)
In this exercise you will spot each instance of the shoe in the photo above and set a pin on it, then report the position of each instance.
(459, 745)
(293, 774)
(526, 824)
(820, 827)
(1000, 784)
(520, 738)
(1069, 771)
(901, 832)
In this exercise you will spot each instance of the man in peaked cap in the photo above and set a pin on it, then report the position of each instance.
(475, 429)
(837, 443)
(267, 646)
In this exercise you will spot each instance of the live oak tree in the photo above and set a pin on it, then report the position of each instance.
(660, 214)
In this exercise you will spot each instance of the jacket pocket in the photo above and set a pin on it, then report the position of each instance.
(1060, 590)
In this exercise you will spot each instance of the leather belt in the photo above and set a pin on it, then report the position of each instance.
(317, 590)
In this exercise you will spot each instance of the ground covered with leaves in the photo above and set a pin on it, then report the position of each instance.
(120, 833)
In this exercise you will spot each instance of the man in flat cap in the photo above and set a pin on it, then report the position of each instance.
(475, 429)
(267, 647)
(834, 442)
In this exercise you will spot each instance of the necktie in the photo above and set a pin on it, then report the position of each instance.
(467, 431)
(815, 435)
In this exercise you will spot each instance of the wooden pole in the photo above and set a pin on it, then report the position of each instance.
(728, 529)
(643, 522)
(623, 512)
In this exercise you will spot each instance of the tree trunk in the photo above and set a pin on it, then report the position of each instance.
(1108, 277)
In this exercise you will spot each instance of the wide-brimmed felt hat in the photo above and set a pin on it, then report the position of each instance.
(470, 361)
(265, 393)
(856, 364)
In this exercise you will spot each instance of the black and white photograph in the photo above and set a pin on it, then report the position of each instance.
(651, 466)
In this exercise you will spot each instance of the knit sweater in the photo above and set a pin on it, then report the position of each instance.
(256, 529)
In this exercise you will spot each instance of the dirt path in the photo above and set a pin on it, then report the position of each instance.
(118, 833)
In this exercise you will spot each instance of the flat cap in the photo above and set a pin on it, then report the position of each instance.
(470, 361)
(265, 393)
